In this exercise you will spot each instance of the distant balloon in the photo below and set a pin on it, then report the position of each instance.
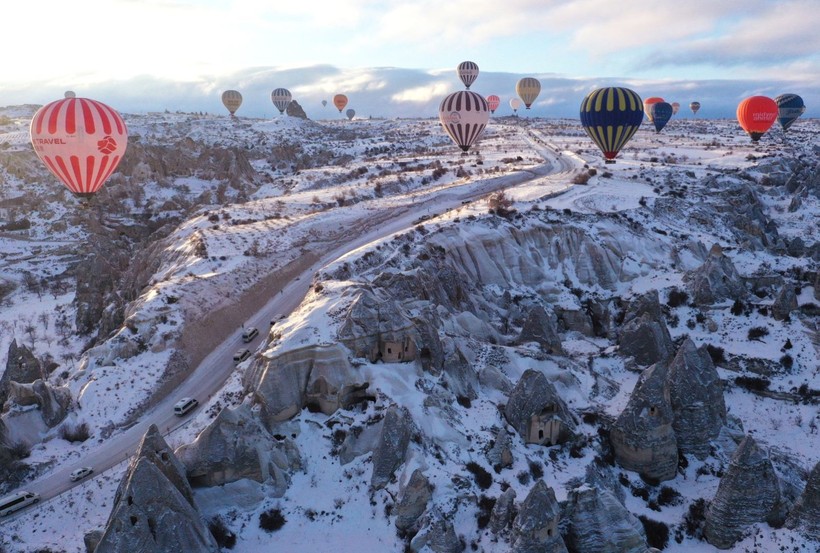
(694, 106)
(528, 89)
(351, 113)
(468, 72)
(675, 108)
(648, 102)
(611, 116)
(464, 115)
(81, 142)
(340, 101)
(69, 94)
(232, 99)
(324, 103)
(756, 115)
(789, 108)
(281, 98)
(661, 114)
(515, 103)
(493, 102)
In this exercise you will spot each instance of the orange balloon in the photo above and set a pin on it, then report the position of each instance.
(756, 115)
(646, 105)
(340, 101)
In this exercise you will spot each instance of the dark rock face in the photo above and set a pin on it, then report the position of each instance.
(413, 502)
(295, 110)
(503, 511)
(541, 327)
(500, 455)
(646, 340)
(438, 536)
(53, 402)
(749, 492)
(642, 438)
(784, 303)
(696, 395)
(536, 526)
(596, 521)
(153, 507)
(21, 367)
(236, 445)
(537, 412)
(805, 516)
(715, 280)
(392, 445)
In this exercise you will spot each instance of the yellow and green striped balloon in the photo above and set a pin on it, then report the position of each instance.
(611, 116)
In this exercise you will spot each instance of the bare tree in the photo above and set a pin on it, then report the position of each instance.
(44, 318)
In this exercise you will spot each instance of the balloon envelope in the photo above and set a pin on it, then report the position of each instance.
(611, 116)
(324, 103)
(69, 94)
(661, 114)
(493, 102)
(281, 98)
(515, 103)
(464, 115)
(351, 113)
(694, 106)
(81, 141)
(528, 89)
(789, 108)
(647, 103)
(756, 115)
(675, 108)
(340, 101)
(468, 72)
(232, 99)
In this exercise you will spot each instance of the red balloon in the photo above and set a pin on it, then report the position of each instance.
(648, 103)
(493, 102)
(81, 142)
(756, 115)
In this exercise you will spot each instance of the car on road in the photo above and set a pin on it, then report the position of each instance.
(80, 473)
(185, 405)
(17, 501)
(241, 355)
(249, 334)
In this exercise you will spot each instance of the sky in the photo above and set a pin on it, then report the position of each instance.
(397, 58)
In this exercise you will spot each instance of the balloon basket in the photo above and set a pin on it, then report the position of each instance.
(609, 161)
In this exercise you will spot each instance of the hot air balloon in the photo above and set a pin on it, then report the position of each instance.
(610, 116)
(493, 102)
(464, 115)
(324, 103)
(468, 72)
(789, 108)
(675, 108)
(694, 106)
(756, 114)
(528, 89)
(81, 141)
(351, 113)
(340, 101)
(661, 114)
(515, 103)
(232, 99)
(648, 102)
(69, 94)
(281, 98)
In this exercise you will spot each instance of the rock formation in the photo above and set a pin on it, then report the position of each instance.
(541, 327)
(748, 492)
(21, 367)
(784, 303)
(536, 526)
(696, 395)
(537, 412)
(715, 280)
(52, 402)
(596, 521)
(642, 437)
(500, 454)
(413, 501)
(391, 448)
(236, 445)
(646, 340)
(805, 515)
(503, 511)
(437, 536)
(153, 507)
(295, 110)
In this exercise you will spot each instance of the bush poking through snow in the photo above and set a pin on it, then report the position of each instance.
(272, 520)
(79, 433)
(223, 535)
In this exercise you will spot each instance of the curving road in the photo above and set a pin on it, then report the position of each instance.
(212, 373)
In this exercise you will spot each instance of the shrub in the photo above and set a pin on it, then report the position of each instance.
(19, 450)
(485, 510)
(222, 534)
(668, 496)
(483, 478)
(787, 361)
(79, 433)
(657, 533)
(271, 520)
(581, 178)
(536, 470)
(738, 308)
(757, 332)
(716, 353)
(693, 520)
(753, 383)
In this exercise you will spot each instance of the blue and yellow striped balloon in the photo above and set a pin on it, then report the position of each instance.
(611, 116)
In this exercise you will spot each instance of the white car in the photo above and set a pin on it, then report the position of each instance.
(80, 473)
(241, 355)
(249, 334)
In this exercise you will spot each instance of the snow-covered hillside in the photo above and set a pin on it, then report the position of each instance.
(206, 215)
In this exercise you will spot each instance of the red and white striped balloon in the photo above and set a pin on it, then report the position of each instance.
(80, 141)
(493, 102)
(464, 115)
